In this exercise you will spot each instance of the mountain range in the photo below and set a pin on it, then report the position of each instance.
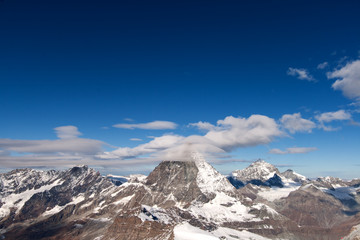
(178, 200)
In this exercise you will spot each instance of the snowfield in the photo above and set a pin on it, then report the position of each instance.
(185, 231)
(222, 208)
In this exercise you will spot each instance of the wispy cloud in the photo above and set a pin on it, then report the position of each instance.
(348, 80)
(155, 145)
(354, 123)
(322, 65)
(31, 152)
(295, 123)
(327, 117)
(333, 116)
(128, 119)
(301, 74)
(136, 139)
(155, 125)
(293, 150)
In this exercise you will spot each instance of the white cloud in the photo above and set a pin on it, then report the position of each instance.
(348, 80)
(327, 117)
(333, 116)
(66, 132)
(293, 150)
(67, 145)
(295, 123)
(155, 125)
(301, 74)
(235, 132)
(136, 139)
(322, 65)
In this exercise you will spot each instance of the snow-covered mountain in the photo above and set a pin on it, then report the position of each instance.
(178, 200)
(258, 170)
(261, 173)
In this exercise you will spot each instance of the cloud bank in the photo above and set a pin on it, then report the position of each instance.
(215, 142)
(294, 150)
(227, 135)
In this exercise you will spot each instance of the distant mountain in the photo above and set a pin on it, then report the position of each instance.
(261, 173)
(178, 200)
(117, 180)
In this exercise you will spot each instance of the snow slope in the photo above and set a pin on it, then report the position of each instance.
(185, 231)
(208, 179)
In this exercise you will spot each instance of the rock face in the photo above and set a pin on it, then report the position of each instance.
(177, 180)
(178, 200)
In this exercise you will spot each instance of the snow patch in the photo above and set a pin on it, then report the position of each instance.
(124, 200)
(154, 214)
(58, 208)
(18, 200)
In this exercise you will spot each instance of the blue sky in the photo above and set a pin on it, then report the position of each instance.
(281, 77)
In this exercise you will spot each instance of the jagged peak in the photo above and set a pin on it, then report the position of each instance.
(81, 169)
(258, 170)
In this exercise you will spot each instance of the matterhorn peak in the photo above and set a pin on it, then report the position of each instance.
(195, 177)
